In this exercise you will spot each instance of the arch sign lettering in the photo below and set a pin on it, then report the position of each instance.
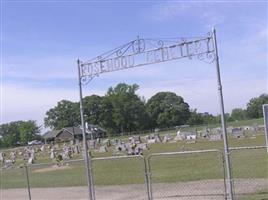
(141, 52)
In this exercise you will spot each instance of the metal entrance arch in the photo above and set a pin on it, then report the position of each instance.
(141, 52)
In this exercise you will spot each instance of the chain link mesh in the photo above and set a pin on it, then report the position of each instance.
(120, 178)
(13, 183)
(250, 173)
(64, 180)
(195, 176)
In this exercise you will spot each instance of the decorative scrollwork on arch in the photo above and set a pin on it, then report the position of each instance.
(208, 57)
(138, 46)
(148, 51)
(86, 79)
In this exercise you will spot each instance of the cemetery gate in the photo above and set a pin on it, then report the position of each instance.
(141, 52)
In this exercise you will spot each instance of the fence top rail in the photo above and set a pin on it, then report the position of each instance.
(117, 157)
(183, 152)
(250, 147)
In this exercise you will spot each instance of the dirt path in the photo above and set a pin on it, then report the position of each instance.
(199, 190)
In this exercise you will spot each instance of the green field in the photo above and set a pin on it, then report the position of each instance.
(246, 164)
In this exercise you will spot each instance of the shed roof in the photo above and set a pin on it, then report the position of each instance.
(51, 134)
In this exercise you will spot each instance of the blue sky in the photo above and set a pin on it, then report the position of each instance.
(41, 41)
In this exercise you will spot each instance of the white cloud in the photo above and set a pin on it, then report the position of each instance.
(203, 94)
(211, 19)
(22, 103)
(40, 68)
(168, 10)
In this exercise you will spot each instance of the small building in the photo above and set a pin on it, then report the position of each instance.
(74, 133)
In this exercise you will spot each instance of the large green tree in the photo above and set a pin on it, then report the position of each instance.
(65, 114)
(10, 133)
(254, 106)
(166, 109)
(18, 132)
(128, 110)
(28, 131)
(195, 118)
(93, 108)
(238, 114)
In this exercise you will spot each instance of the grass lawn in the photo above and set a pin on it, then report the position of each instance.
(246, 164)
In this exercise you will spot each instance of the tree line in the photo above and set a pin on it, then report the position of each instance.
(121, 111)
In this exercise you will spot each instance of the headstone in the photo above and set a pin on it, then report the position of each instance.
(180, 136)
(238, 132)
(246, 128)
(121, 147)
(191, 137)
(77, 149)
(131, 149)
(153, 138)
(215, 137)
(261, 129)
(71, 142)
(103, 149)
(106, 142)
(30, 160)
(151, 141)
(65, 155)
(167, 138)
(229, 129)
(32, 154)
(42, 148)
(8, 163)
(205, 133)
(138, 151)
(135, 140)
(158, 139)
(143, 146)
(52, 153)
(2, 157)
(92, 144)
(255, 128)
(59, 159)
(13, 156)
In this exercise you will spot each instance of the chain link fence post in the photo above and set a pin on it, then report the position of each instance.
(28, 182)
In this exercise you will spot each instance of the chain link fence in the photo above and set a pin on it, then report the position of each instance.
(13, 181)
(188, 175)
(121, 177)
(64, 180)
(250, 173)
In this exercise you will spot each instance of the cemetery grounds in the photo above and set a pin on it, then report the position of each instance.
(116, 179)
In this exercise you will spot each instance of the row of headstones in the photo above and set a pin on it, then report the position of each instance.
(27, 153)
(134, 146)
